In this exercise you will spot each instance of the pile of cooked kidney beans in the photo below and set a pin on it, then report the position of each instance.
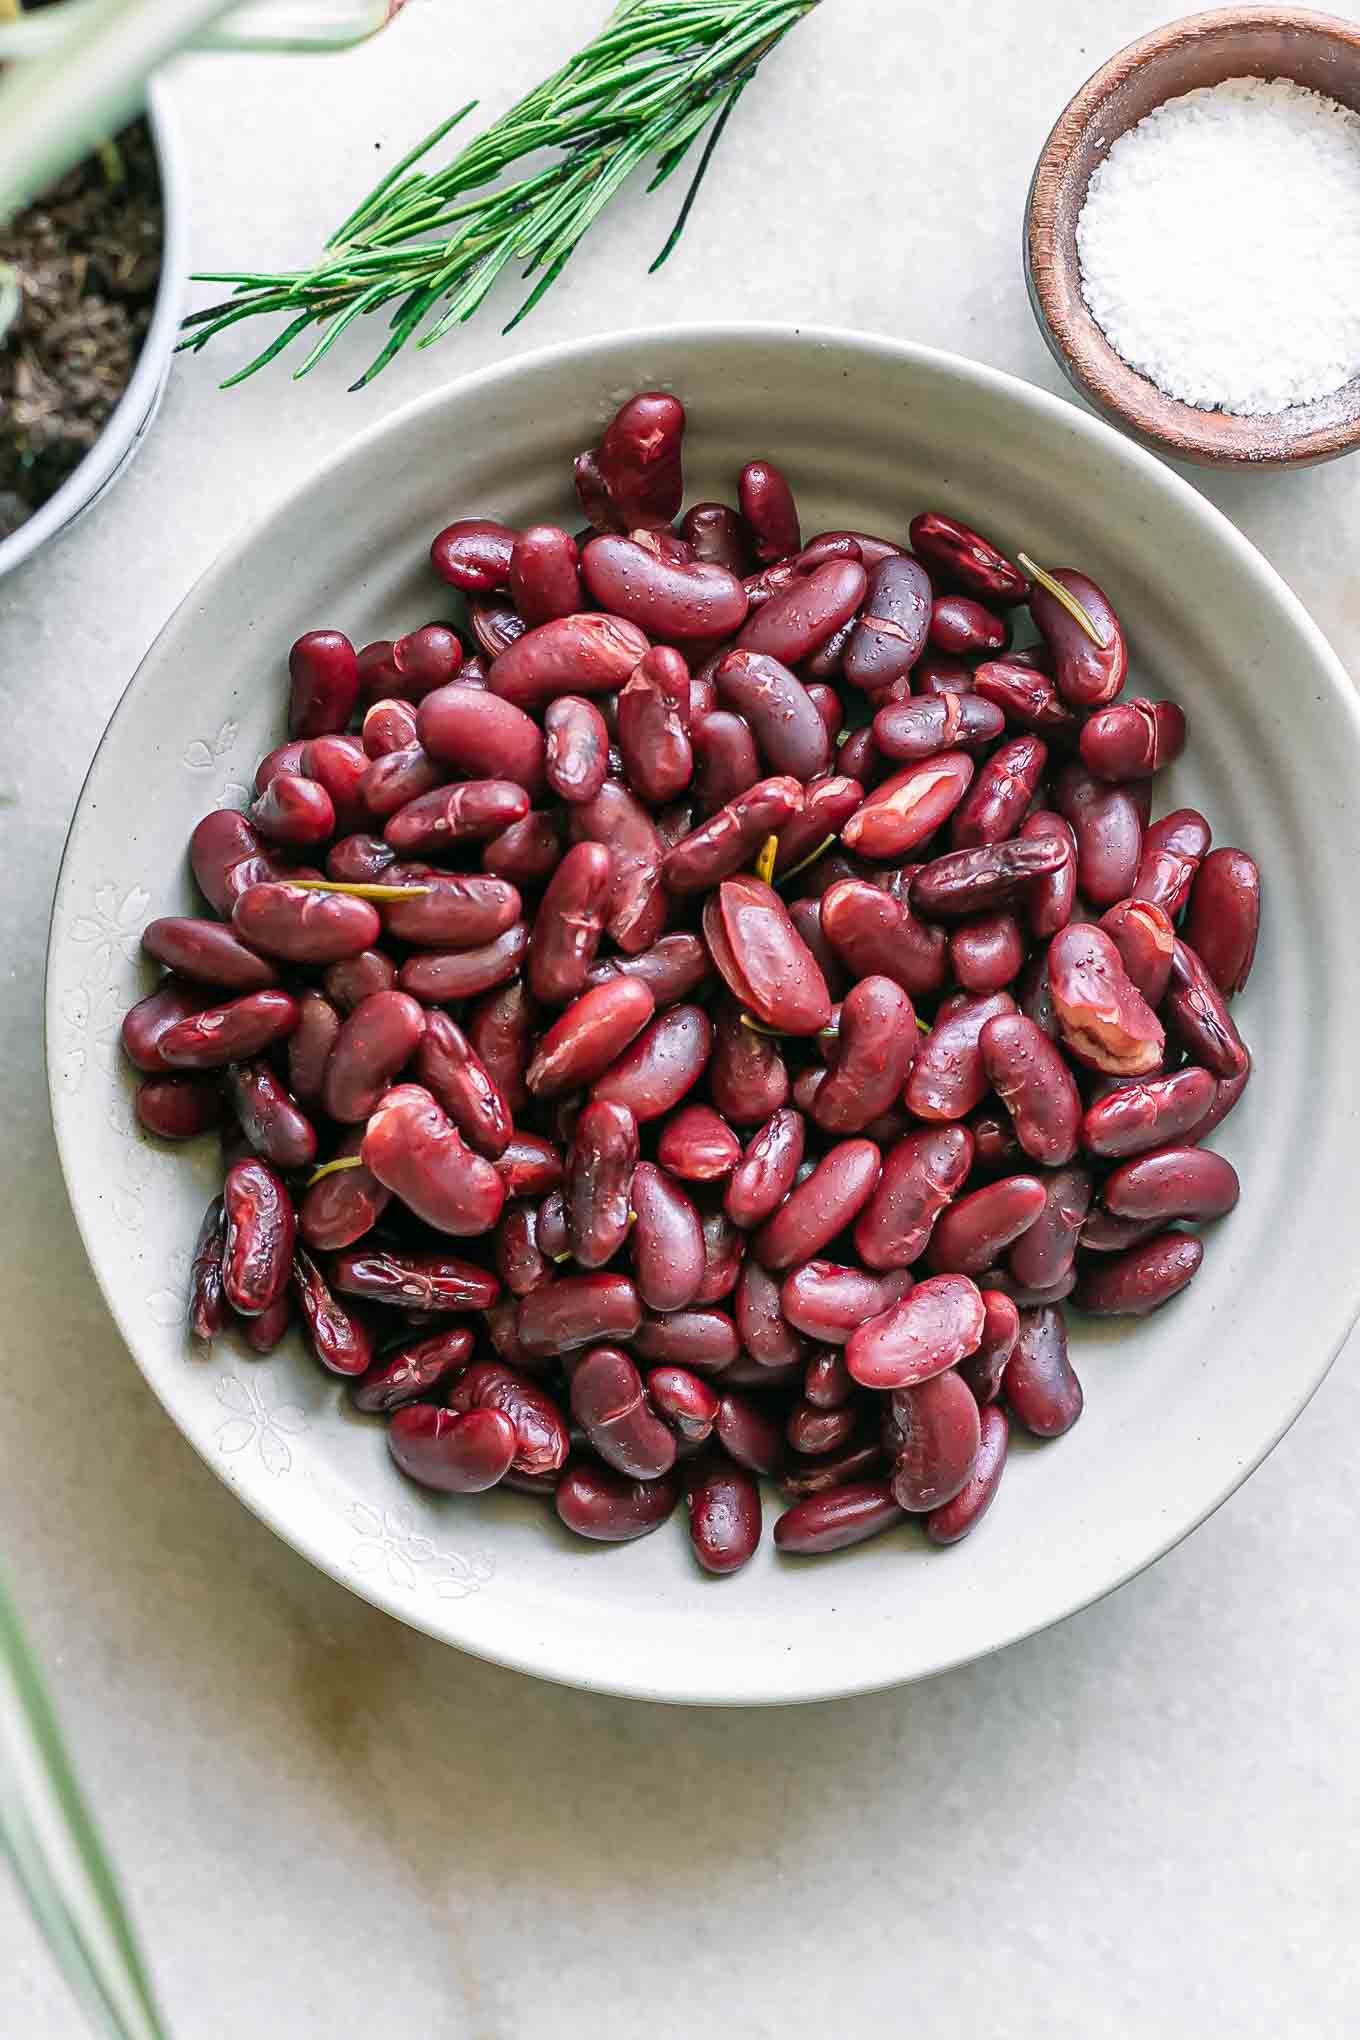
(696, 1016)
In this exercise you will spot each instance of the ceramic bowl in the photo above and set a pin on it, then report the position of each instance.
(1320, 51)
(1179, 1408)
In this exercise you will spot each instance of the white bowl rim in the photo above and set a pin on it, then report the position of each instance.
(1062, 411)
(133, 412)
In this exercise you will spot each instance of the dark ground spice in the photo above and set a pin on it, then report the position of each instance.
(87, 256)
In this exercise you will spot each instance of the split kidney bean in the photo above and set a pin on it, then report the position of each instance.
(954, 1519)
(323, 673)
(1145, 936)
(460, 1453)
(890, 634)
(1132, 740)
(920, 1177)
(1035, 1085)
(765, 1174)
(440, 975)
(667, 1243)
(875, 1049)
(988, 953)
(576, 748)
(958, 554)
(474, 554)
(1188, 1183)
(1173, 850)
(208, 1307)
(747, 1079)
(589, 653)
(1196, 1014)
(1045, 1253)
(1141, 1116)
(304, 927)
(839, 1517)
(670, 599)
(207, 953)
(600, 1165)
(413, 1372)
(971, 881)
(543, 581)
(1223, 917)
(910, 730)
(541, 1441)
(936, 1435)
(1039, 1384)
(831, 1199)
(610, 1508)
(948, 1078)
(977, 1228)
(340, 1338)
(727, 840)
(357, 978)
(801, 617)
(698, 1145)
(1103, 1018)
(637, 905)
(932, 1329)
(411, 1147)
(768, 510)
(827, 1301)
(781, 714)
(1028, 698)
(1087, 674)
(996, 801)
(414, 1281)
(983, 1368)
(608, 1402)
(569, 924)
(261, 1226)
(909, 807)
(962, 628)
(876, 934)
(640, 460)
(763, 959)
(1108, 831)
(221, 842)
(577, 1309)
(217, 1035)
(146, 1024)
(724, 1515)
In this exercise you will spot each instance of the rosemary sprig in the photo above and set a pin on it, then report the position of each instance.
(431, 244)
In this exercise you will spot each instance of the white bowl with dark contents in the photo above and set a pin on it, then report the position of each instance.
(1179, 1407)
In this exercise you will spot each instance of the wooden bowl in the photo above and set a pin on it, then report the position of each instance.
(1316, 50)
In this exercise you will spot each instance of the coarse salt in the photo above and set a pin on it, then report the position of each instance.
(1220, 246)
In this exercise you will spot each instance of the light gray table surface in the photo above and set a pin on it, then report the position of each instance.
(1140, 1824)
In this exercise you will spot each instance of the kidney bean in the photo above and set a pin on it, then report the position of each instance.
(860, 758)
(723, 1249)
(983, 1369)
(541, 1442)
(576, 756)
(208, 1308)
(426, 659)
(220, 842)
(764, 1176)
(340, 1338)
(995, 803)
(639, 460)
(323, 672)
(965, 882)
(579, 1309)
(1028, 698)
(600, 1166)
(257, 1250)
(304, 927)
(747, 1079)
(590, 1035)
(962, 628)
(763, 959)
(483, 736)
(457, 909)
(268, 1117)
(921, 1174)
(726, 764)
(356, 978)
(948, 1078)
(449, 1067)
(806, 917)
(496, 624)
(667, 1243)
(1196, 1015)
(803, 615)
(875, 934)
(499, 1027)
(761, 1327)
(932, 676)
(1166, 1183)
(1144, 935)
(1173, 850)
(683, 1401)
(412, 1148)
(569, 924)
(588, 653)
(441, 975)
(827, 1301)
(779, 711)
(1223, 917)
(608, 1402)
(1051, 897)
(724, 1516)
(875, 1049)
(996, 1151)
(459, 1453)
(472, 810)
(293, 811)
(1104, 1234)
(527, 852)
(843, 1515)
(637, 907)
(827, 804)
(1132, 740)
(340, 1209)
(413, 1281)
(413, 1371)
(936, 1434)
(1044, 1256)
(375, 1043)
(698, 1145)
(1035, 1085)
(1227, 1091)
(392, 782)
(530, 1165)
(908, 807)
(1141, 1116)
(954, 1519)
(831, 1198)
(1102, 1017)
(474, 554)
(891, 632)
(360, 859)
(653, 742)
(716, 533)
(768, 511)
(520, 1262)
(216, 1035)
(146, 1024)
(722, 844)
(664, 1062)
(670, 599)
(1108, 831)
(177, 1108)
(1040, 1387)
(339, 764)
(974, 1230)
(932, 1328)
(958, 554)
(749, 1435)
(1088, 675)
(268, 1329)
(826, 1380)
(914, 729)
(595, 1502)
(543, 574)
(207, 953)
(987, 954)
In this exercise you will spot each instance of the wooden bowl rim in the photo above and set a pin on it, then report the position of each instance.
(1302, 435)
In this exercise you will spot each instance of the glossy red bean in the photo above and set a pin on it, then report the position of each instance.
(217, 1035)
(716, 533)
(470, 811)
(1173, 850)
(831, 1199)
(1108, 831)
(544, 581)
(340, 1338)
(956, 1518)
(455, 909)
(749, 1435)
(826, 1301)
(1196, 1013)
(1035, 1085)
(590, 1036)
(730, 838)
(356, 978)
(271, 1122)
(1044, 1256)
(294, 811)
(520, 1262)
(208, 1309)
(683, 1401)
(765, 1335)
(1050, 898)
(763, 959)
(1041, 1389)
(698, 1145)
(257, 1250)
(890, 633)
(653, 742)
(1223, 917)
(588, 653)
(1087, 674)
(972, 881)
(342, 1208)
(1142, 1279)
(411, 1147)
(1141, 1116)
(724, 1515)
(826, 1380)
(304, 927)
(921, 1175)
(608, 1402)
(1188, 1183)
(483, 736)
(933, 1328)
(662, 1064)
(374, 1045)
(360, 859)
(747, 1079)
(398, 778)
(768, 510)
(1028, 698)
(1227, 1092)
(987, 953)
(828, 803)
(441, 975)
(223, 840)
(577, 1310)
(600, 1165)
(637, 906)
(996, 801)
(415, 1371)
(704, 1339)
(1132, 740)
(1145, 937)
(569, 924)
(726, 763)
(911, 730)
(667, 1241)
(413, 1281)
(474, 554)
(974, 1230)
(963, 628)
(541, 1440)
(959, 555)
(639, 460)
(610, 1508)
(765, 1174)
(802, 616)
(948, 1079)
(576, 756)
(875, 933)
(178, 1108)
(936, 1435)
(459, 1453)
(932, 676)
(836, 1518)
(289, 757)
(672, 968)
(669, 599)
(909, 807)
(781, 714)
(983, 1368)
(146, 1024)
(1103, 1018)
(875, 1048)
(207, 953)
(323, 673)
(500, 1027)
